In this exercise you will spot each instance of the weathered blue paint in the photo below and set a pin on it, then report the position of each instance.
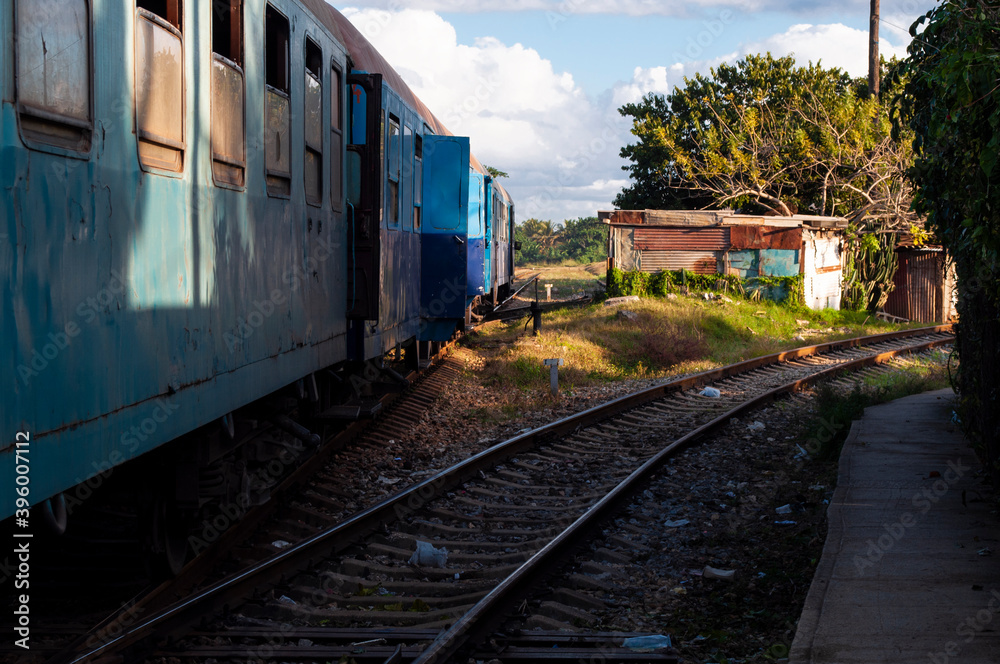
(444, 240)
(763, 262)
(137, 306)
(778, 263)
(399, 276)
(171, 299)
(478, 265)
(743, 262)
(503, 262)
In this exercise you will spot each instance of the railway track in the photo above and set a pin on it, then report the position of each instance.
(107, 584)
(506, 516)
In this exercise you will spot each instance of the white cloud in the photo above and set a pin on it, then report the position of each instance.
(557, 9)
(559, 145)
(835, 45)
(522, 115)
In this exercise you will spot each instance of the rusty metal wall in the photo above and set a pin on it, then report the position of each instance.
(681, 239)
(766, 237)
(919, 282)
(699, 262)
(621, 248)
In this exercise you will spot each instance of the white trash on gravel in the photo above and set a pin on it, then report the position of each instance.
(427, 555)
(721, 574)
(711, 392)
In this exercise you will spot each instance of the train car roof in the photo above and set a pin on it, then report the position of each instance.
(367, 58)
(506, 195)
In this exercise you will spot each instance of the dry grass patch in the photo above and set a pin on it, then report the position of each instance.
(665, 338)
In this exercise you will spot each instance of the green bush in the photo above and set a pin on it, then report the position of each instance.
(786, 290)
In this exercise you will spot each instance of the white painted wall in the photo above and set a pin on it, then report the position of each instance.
(823, 250)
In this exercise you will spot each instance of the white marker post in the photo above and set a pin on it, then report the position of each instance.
(548, 292)
(553, 366)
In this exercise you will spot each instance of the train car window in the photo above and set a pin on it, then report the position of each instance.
(53, 72)
(227, 29)
(159, 84)
(406, 178)
(418, 179)
(313, 107)
(336, 138)
(168, 10)
(392, 169)
(228, 94)
(277, 103)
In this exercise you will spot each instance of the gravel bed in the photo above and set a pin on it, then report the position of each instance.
(716, 505)
(727, 492)
(462, 422)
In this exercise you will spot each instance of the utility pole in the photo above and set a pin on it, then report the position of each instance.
(873, 59)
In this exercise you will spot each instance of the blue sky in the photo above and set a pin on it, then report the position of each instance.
(574, 43)
(537, 84)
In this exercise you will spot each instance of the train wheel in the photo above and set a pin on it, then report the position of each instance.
(54, 514)
(168, 535)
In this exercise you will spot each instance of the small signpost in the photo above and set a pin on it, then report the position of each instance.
(548, 292)
(553, 366)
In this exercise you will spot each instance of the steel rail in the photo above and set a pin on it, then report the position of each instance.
(517, 292)
(189, 611)
(481, 620)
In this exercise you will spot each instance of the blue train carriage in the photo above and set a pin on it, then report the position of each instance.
(480, 223)
(173, 242)
(502, 269)
(408, 197)
(491, 249)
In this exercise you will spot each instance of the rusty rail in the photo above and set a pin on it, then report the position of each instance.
(187, 612)
(480, 621)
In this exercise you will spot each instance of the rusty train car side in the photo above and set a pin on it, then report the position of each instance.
(202, 204)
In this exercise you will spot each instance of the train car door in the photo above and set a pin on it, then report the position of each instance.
(444, 237)
(364, 196)
(478, 266)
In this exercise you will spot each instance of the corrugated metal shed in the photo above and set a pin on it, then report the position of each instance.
(924, 286)
(711, 242)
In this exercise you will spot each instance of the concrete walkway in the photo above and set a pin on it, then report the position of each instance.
(910, 572)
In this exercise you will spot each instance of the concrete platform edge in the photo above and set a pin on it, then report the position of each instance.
(805, 632)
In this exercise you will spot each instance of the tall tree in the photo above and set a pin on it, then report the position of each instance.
(764, 135)
(584, 239)
(496, 173)
(951, 101)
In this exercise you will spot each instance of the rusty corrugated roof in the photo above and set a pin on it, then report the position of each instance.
(704, 218)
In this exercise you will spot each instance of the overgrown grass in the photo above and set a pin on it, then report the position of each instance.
(569, 279)
(668, 337)
(836, 409)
